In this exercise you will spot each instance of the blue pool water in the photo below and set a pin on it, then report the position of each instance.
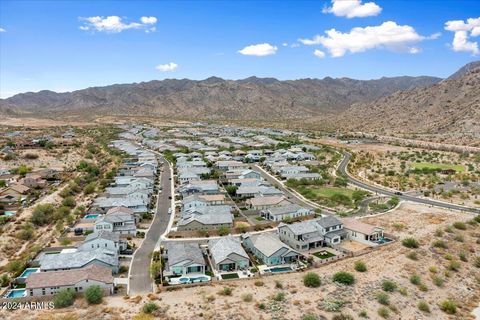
(280, 269)
(27, 272)
(91, 216)
(9, 213)
(184, 280)
(16, 293)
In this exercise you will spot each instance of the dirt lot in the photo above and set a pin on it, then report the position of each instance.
(462, 286)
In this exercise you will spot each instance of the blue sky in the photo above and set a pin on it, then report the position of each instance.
(61, 46)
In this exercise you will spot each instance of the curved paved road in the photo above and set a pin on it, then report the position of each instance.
(343, 169)
(140, 280)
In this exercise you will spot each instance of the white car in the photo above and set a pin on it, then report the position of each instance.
(169, 210)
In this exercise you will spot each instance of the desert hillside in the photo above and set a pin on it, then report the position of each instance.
(450, 108)
(213, 98)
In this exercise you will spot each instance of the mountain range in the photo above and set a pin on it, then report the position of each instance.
(214, 98)
(424, 105)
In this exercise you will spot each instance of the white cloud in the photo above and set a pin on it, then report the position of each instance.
(259, 50)
(319, 53)
(2, 30)
(167, 67)
(115, 24)
(462, 31)
(388, 35)
(148, 20)
(353, 8)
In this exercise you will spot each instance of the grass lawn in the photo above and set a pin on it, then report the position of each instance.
(325, 255)
(259, 218)
(230, 276)
(441, 166)
(327, 192)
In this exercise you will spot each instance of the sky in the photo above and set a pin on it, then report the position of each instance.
(71, 45)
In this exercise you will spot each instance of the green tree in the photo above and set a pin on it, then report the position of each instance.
(94, 294)
(64, 298)
(42, 214)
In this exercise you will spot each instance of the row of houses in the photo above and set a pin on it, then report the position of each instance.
(115, 215)
(285, 247)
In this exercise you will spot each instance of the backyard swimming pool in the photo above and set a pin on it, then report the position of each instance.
(9, 213)
(28, 272)
(91, 216)
(16, 293)
(280, 269)
(184, 280)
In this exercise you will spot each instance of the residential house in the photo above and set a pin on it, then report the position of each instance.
(310, 234)
(78, 280)
(259, 203)
(105, 240)
(119, 220)
(210, 220)
(202, 200)
(362, 232)
(79, 259)
(228, 254)
(284, 212)
(183, 258)
(269, 249)
(230, 165)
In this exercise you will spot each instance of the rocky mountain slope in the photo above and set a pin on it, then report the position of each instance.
(213, 98)
(450, 108)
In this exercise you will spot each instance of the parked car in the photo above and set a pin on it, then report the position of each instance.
(78, 231)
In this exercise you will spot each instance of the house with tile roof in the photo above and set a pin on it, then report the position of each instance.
(78, 280)
(269, 249)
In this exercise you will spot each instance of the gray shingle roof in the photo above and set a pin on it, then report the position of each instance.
(268, 243)
(103, 234)
(221, 248)
(328, 221)
(77, 259)
(290, 208)
(183, 252)
(302, 227)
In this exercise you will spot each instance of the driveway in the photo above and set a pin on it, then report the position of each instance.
(140, 280)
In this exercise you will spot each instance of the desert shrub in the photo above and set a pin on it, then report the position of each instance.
(438, 281)
(226, 291)
(463, 256)
(342, 316)
(309, 316)
(410, 243)
(476, 261)
(259, 283)
(344, 278)
(460, 225)
(383, 312)
(149, 307)
(415, 279)
(458, 237)
(64, 298)
(280, 296)
(454, 265)
(360, 266)
(4, 280)
(440, 244)
(312, 280)
(363, 314)
(383, 298)
(247, 297)
(42, 214)
(423, 306)
(403, 291)
(69, 202)
(389, 285)
(412, 255)
(278, 284)
(94, 294)
(448, 306)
